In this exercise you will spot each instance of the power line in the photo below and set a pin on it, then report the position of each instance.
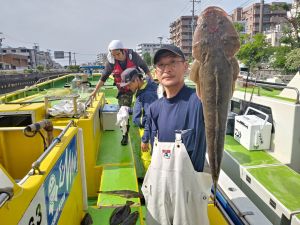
(247, 2)
(181, 12)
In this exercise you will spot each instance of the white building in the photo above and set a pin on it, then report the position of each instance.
(101, 58)
(34, 56)
(148, 47)
(273, 36)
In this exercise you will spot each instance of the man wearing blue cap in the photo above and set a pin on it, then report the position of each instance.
(146, 93)
(175, 187)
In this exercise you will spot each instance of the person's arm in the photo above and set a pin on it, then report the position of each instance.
(141, 63)
(147, 131)
(98, 86)
(137, 113)
(107, 71)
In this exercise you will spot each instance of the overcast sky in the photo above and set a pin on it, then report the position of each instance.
(87, 26)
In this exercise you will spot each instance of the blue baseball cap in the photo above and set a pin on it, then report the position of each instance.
(127, 75)
(167, 48)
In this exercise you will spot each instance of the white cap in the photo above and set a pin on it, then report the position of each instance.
(115, 44)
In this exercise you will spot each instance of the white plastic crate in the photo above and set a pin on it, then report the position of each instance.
(253, 132)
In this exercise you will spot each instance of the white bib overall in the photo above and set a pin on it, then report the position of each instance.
(175, 193)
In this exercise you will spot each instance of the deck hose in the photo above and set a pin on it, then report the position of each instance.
(31, 130)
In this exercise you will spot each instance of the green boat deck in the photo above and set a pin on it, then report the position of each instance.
(282, 182)
(117, 178)
(245, 157)
(112, 152)
(273, 180)
(119, 173)
(120, 170)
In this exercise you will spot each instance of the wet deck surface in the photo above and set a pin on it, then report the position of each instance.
(246, 157)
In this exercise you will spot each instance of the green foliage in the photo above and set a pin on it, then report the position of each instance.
(278, 59)
(293, 60)
(255, 51)
(238, 27)
(147, 58)
(40, 68)
(28, 71)
(74, 68)
(291, 32)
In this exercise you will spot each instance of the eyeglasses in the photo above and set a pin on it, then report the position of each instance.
(172, 64)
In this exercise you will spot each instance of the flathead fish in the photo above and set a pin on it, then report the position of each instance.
(215, 70)
(120, 214)
(131, 219)
(124, 193)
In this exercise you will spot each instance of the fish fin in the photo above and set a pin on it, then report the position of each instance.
(235, 71)
(194, 73)
(194, 76)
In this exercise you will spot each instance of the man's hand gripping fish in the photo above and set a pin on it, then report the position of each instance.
(215, 70)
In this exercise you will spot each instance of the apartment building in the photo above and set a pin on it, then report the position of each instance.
(150, 48)
(101, 58)
(13, 62)
(33, 56)
(251, 16)
(181, 34)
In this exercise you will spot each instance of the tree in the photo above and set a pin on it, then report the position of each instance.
(291, 31)
(255, 51)
(293, 60)
(238, 27)
(74, 68)
(147, 58)
(278, 59)
(40, 68)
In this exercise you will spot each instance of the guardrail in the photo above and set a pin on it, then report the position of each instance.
(43, 79)
(277, 86)
(37, 163)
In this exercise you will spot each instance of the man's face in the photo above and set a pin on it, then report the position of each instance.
(118, 55)
(170, 71)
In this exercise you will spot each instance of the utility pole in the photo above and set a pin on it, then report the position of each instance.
(193, 16)
(74, 58)
(70, 59)
(160, 40)
(2, 62)
(261, 13)
(35, 47)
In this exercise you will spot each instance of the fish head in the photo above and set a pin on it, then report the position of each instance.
(214, 30)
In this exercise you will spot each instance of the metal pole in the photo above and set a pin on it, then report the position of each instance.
(193, 20)
(35, 53)
(193, 12)
(74, 58)
(261, 16)
(2, 62)
(70, 60)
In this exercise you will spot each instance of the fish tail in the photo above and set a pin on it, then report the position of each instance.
(215, 193)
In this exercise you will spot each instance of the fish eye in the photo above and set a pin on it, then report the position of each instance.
(204, 25)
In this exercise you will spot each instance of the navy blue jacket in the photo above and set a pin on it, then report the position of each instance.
(144, 98)
(181, 112)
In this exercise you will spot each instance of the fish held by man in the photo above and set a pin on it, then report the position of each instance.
(215, 70)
